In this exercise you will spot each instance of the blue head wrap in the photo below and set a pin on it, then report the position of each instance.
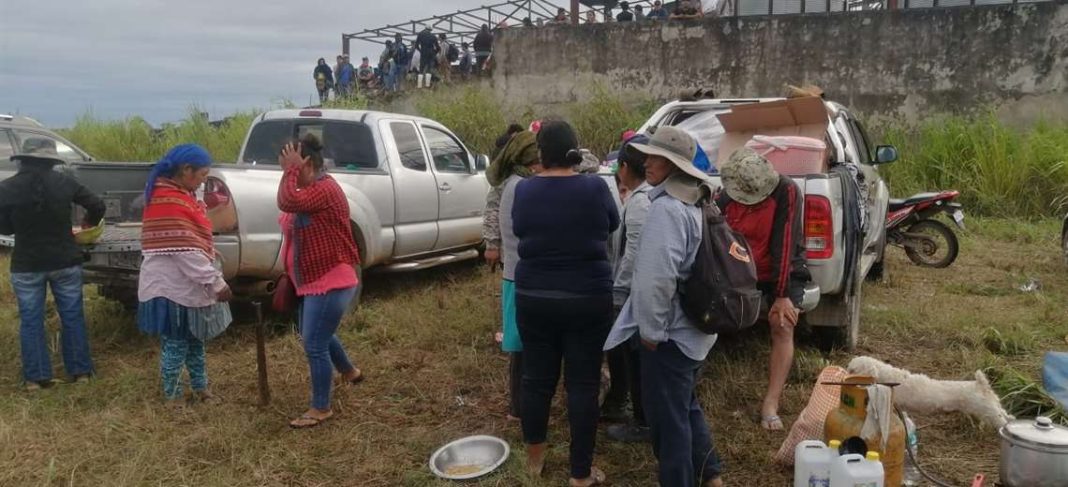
(191, 154)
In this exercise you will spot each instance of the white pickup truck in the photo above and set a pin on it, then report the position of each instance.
(415, 192)
(843, 246)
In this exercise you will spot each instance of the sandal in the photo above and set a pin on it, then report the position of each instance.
(307, 421)
(597, 477)
(355, 380)
(772, 423)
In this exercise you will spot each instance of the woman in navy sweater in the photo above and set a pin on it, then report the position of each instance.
(563, 295)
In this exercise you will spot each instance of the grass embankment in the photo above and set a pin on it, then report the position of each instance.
(1000, 171)
(434, 374)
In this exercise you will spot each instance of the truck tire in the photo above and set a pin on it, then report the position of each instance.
(846, 333)
(355, 303)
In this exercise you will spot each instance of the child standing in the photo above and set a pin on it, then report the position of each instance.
(182, 293)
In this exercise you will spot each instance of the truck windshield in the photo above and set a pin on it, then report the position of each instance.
(346, 145)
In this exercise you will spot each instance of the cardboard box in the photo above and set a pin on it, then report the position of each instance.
(805, 117)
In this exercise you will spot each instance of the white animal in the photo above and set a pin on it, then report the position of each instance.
(918, 393)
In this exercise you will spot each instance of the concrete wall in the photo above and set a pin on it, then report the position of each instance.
(883, 64)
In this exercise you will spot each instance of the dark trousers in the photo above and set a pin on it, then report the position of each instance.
(624, 367)
(682, 441)
(515, 383)
(572, 330)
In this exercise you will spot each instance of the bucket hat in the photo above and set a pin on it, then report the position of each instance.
(675, 145)
(748, 177)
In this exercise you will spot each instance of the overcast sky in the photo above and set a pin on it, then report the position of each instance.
(155, 58)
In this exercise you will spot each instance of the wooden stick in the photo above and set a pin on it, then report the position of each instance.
(261, 356)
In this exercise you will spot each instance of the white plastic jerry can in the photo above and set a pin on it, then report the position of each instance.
(812, 464)
(857, 471)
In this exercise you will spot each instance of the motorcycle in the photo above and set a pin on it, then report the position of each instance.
(910, 224)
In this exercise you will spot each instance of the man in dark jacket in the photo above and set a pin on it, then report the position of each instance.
(35, 207)
(483, 46)
(428, 46)
(765, 207)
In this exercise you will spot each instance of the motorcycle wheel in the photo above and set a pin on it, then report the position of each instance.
(939, 254)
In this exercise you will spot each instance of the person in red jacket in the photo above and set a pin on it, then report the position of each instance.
(320, 259)
(766, 208)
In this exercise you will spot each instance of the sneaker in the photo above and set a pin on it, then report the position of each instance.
(205, 397)
(80, 379)
(629, 433)
(31, 386)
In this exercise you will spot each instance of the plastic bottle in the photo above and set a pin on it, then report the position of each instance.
(855, 470)
(812, 464)
(913, 477)
(836, 449)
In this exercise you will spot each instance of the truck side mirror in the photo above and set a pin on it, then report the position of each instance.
(885, 154)
(481, 162)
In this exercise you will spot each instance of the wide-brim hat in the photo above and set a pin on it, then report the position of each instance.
(675, 145)
(38, 150)
(748, 177)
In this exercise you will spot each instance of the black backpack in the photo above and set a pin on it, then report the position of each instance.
(721, 295)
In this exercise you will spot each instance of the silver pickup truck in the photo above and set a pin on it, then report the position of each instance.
(415, 192)
(844, 245)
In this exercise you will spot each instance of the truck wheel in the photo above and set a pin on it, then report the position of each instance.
(877, 273)
(846, 332)
(355, 303)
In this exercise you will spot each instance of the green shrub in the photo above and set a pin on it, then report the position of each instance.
(999, 170)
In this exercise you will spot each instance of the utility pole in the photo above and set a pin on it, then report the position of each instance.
(574, 12)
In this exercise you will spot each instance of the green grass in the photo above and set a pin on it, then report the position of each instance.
(434, 374)
(134, 140)
(1000, 170)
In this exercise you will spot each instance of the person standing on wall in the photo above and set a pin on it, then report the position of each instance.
(35, 206)
(427, 45)
(623, 360)
(483, 45)
(658, 12)
(563, 296)
(401, 58)
(765, 207)
(324, 80)
(672, 349)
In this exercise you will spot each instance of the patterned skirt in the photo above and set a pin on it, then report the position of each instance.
(163, 317)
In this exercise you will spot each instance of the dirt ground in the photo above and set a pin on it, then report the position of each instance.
(434, 374)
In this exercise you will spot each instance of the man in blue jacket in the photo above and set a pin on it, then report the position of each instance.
(672, 349)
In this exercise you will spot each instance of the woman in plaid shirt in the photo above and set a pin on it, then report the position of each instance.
(320, 257)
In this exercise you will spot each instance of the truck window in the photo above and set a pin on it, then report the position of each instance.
(346, 145)
(408, 145)
(266, 141)
(66, 152)
(448, 154)
(6, 148)
(863, 146)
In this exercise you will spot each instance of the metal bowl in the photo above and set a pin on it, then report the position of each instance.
(469, 458)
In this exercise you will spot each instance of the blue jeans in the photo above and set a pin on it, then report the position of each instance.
(176, 353)
(320, 317)
(397, 77)
(30, 291)
(682, 441)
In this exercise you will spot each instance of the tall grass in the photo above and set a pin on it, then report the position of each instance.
(1000, 171)
(134, 139)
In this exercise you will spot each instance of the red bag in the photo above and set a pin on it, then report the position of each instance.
(285, 295)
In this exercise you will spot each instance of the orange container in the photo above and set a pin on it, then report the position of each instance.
(848, 420)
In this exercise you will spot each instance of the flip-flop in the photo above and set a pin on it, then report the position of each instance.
(356, 380)
(312, 422)
(597, 477)
(772, 423)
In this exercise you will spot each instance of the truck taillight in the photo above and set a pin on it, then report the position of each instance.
(216, 194)
(819, 228)
(220, 206)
